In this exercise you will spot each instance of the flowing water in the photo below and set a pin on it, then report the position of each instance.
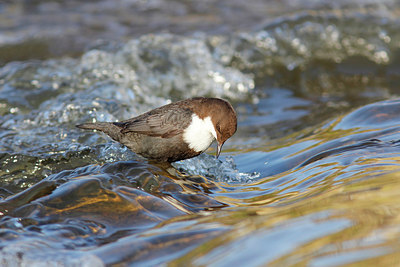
(311, 178)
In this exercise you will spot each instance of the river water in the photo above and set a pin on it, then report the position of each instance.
(311, 178)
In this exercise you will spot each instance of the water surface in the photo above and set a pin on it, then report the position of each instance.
(310, 178)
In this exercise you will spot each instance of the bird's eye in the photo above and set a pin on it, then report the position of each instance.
(218, 127)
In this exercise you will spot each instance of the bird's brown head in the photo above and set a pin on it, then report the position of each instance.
(223, 117)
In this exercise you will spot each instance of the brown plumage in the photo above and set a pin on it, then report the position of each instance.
(162, 134)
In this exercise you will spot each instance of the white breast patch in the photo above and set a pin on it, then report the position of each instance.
(200, 133)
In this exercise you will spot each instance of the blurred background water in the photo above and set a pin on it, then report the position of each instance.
(311, 178)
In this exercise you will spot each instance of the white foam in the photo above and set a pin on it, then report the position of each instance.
(215, 169)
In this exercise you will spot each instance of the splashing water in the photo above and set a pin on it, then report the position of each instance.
(310, 177)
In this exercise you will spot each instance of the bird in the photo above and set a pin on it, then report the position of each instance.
(174, 132)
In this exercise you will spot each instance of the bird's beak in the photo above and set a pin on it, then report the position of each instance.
(219, 148)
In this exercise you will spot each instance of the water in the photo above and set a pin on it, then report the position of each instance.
(310, 178)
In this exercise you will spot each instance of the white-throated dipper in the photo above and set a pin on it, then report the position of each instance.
(176, 131)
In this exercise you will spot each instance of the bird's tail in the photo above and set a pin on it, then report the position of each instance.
(107, 127)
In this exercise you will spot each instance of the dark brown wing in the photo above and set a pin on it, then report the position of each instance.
(160, 122)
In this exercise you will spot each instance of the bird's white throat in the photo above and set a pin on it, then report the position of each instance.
(200, 133)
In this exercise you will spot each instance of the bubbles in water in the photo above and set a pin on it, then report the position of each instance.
(381, 57)
(215, 169)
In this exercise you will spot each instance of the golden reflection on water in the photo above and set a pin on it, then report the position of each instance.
(354, 221)
(297, 184)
